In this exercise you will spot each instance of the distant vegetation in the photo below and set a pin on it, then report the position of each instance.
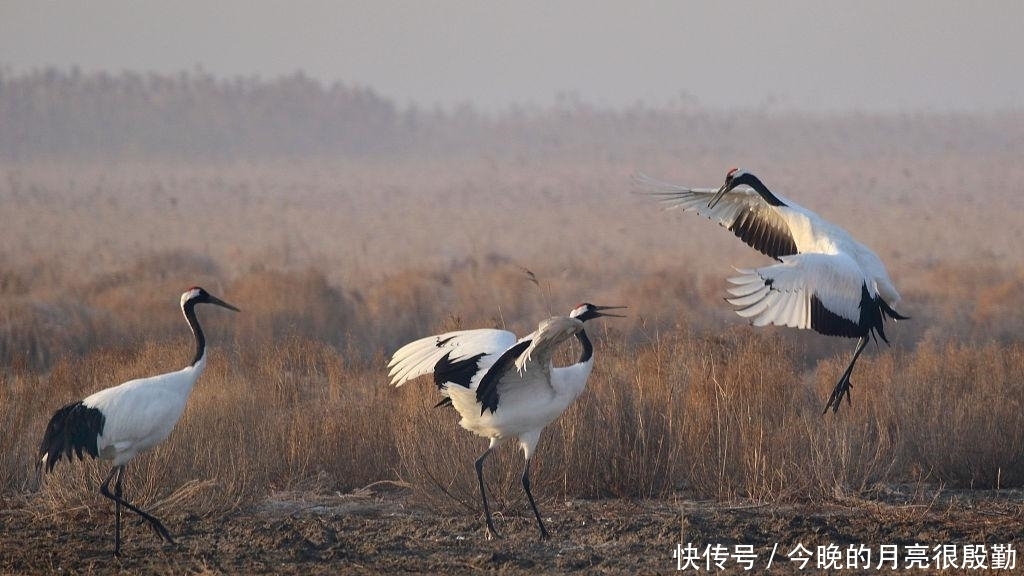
(53, 113)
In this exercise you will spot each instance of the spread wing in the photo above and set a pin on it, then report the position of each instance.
(742, 211)
(824, 292)
(461, 357)
(531, 358)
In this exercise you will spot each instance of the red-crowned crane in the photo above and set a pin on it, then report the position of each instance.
(502, 387)
(120, 422)
(824, 279)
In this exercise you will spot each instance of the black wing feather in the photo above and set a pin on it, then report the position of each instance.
(759, 232)
(487, 391)
(72, 430)
(873, 312)
(459, 372)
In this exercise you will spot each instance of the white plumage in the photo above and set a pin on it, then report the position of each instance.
(120, 422)
(503, 387)
(824, 279)
(147, 410)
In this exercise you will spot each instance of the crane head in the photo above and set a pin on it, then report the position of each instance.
(197, 295)
(587, 311)
(733, 178)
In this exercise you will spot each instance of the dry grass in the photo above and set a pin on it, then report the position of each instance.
(729, 416)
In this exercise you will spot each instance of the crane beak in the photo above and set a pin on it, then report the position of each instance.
(718, 195)
(221, 303)
(600, 313)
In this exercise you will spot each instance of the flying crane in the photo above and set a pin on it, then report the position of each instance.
(824, 279)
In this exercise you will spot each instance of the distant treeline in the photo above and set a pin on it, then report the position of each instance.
(59, 114)
(56, 113)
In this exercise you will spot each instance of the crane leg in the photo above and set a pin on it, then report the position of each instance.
(526, 487)
(843, 386)
(117, 507)
(119, 501)
(483, 492)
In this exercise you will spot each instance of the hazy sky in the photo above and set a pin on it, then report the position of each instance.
(819, 55)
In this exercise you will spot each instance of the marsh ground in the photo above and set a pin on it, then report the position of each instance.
(383, 532)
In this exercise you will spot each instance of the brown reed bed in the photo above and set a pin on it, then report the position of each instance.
(723, 416)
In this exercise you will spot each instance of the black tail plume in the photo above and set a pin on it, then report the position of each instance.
(72, 430)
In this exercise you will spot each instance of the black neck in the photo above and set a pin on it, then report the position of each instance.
(759, 187)
(197, 330)
(588, 348)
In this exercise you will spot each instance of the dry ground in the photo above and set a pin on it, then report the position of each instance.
(386, 531)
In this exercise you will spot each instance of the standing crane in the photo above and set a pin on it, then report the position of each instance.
(122, 421)
(502, 387)
(824, 279)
